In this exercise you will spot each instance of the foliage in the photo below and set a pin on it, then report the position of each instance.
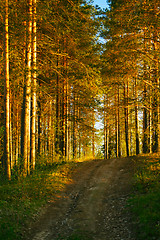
(62, 81)
(21, 200)
(145, 202)
(130, 61)
(78, 236)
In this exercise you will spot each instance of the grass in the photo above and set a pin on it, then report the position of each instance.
(22, 200)
(78, 235)
(145, 204)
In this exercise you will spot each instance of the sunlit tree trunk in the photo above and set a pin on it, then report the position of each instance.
(145, 115)
(11, 126)
(27, 95)
(57, 110)
(136, 119)
(39, 112)
(67, 123)
(117, 123)
(66, 104)
(14, 124)
(93, 134)
(17, 134)
(33, 124)
(50, 128)
(79, 135)
(145, 130)
(6, 160)
(106, 129)
(156, 105)
(126, 119)
(74, 127)
(119, 141)
(150, 121)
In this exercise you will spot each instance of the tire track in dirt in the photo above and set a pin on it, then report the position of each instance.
(93, 207)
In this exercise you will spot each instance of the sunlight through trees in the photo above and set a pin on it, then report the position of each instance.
(58, 75)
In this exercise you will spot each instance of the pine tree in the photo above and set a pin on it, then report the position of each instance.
(7, 151)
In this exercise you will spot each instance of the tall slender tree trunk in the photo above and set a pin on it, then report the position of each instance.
(17, 134)
(150, 121)
(126, 120)
(34, 59)
(57, 110)
(117, 123)
(74, 127)
(27, 95)
(119, 140)
(79, 135)
(11, 132)
(156, 104)
(145, 113)
(106, 130)
(66, 104)
(93, 134)
(128, 117)
(39, 126)
(6, 160)
(136, 119)
(145, 130)
(67, 124)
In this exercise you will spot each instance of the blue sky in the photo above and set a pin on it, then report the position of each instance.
(101, 3)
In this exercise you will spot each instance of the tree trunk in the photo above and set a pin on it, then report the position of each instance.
(156, 107)
(145, 130)
(67, 124)
(27, 95)
(117, 123)
(6, 159)
(145, 114)
(150, 122)
(11, 132)
(126, 120)
(33, 123)
(74, 127)
(93, 134)
(106, 130)
(17, 134)
(136, 119)
(119, 141)
(57, 111)
(39, 126)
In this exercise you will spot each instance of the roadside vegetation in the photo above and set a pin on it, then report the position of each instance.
(146, 201)
(22, 200)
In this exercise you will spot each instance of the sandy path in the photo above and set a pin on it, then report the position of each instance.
(93, 207)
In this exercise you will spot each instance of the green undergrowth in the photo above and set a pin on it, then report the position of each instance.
(78, 235)
(22, 199)
(145, 204)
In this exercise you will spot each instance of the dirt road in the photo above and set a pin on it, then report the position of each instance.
(93, 207)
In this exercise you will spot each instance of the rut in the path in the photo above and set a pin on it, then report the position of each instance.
(94, 207)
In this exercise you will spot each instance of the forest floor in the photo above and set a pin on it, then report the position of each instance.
(93, 205)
